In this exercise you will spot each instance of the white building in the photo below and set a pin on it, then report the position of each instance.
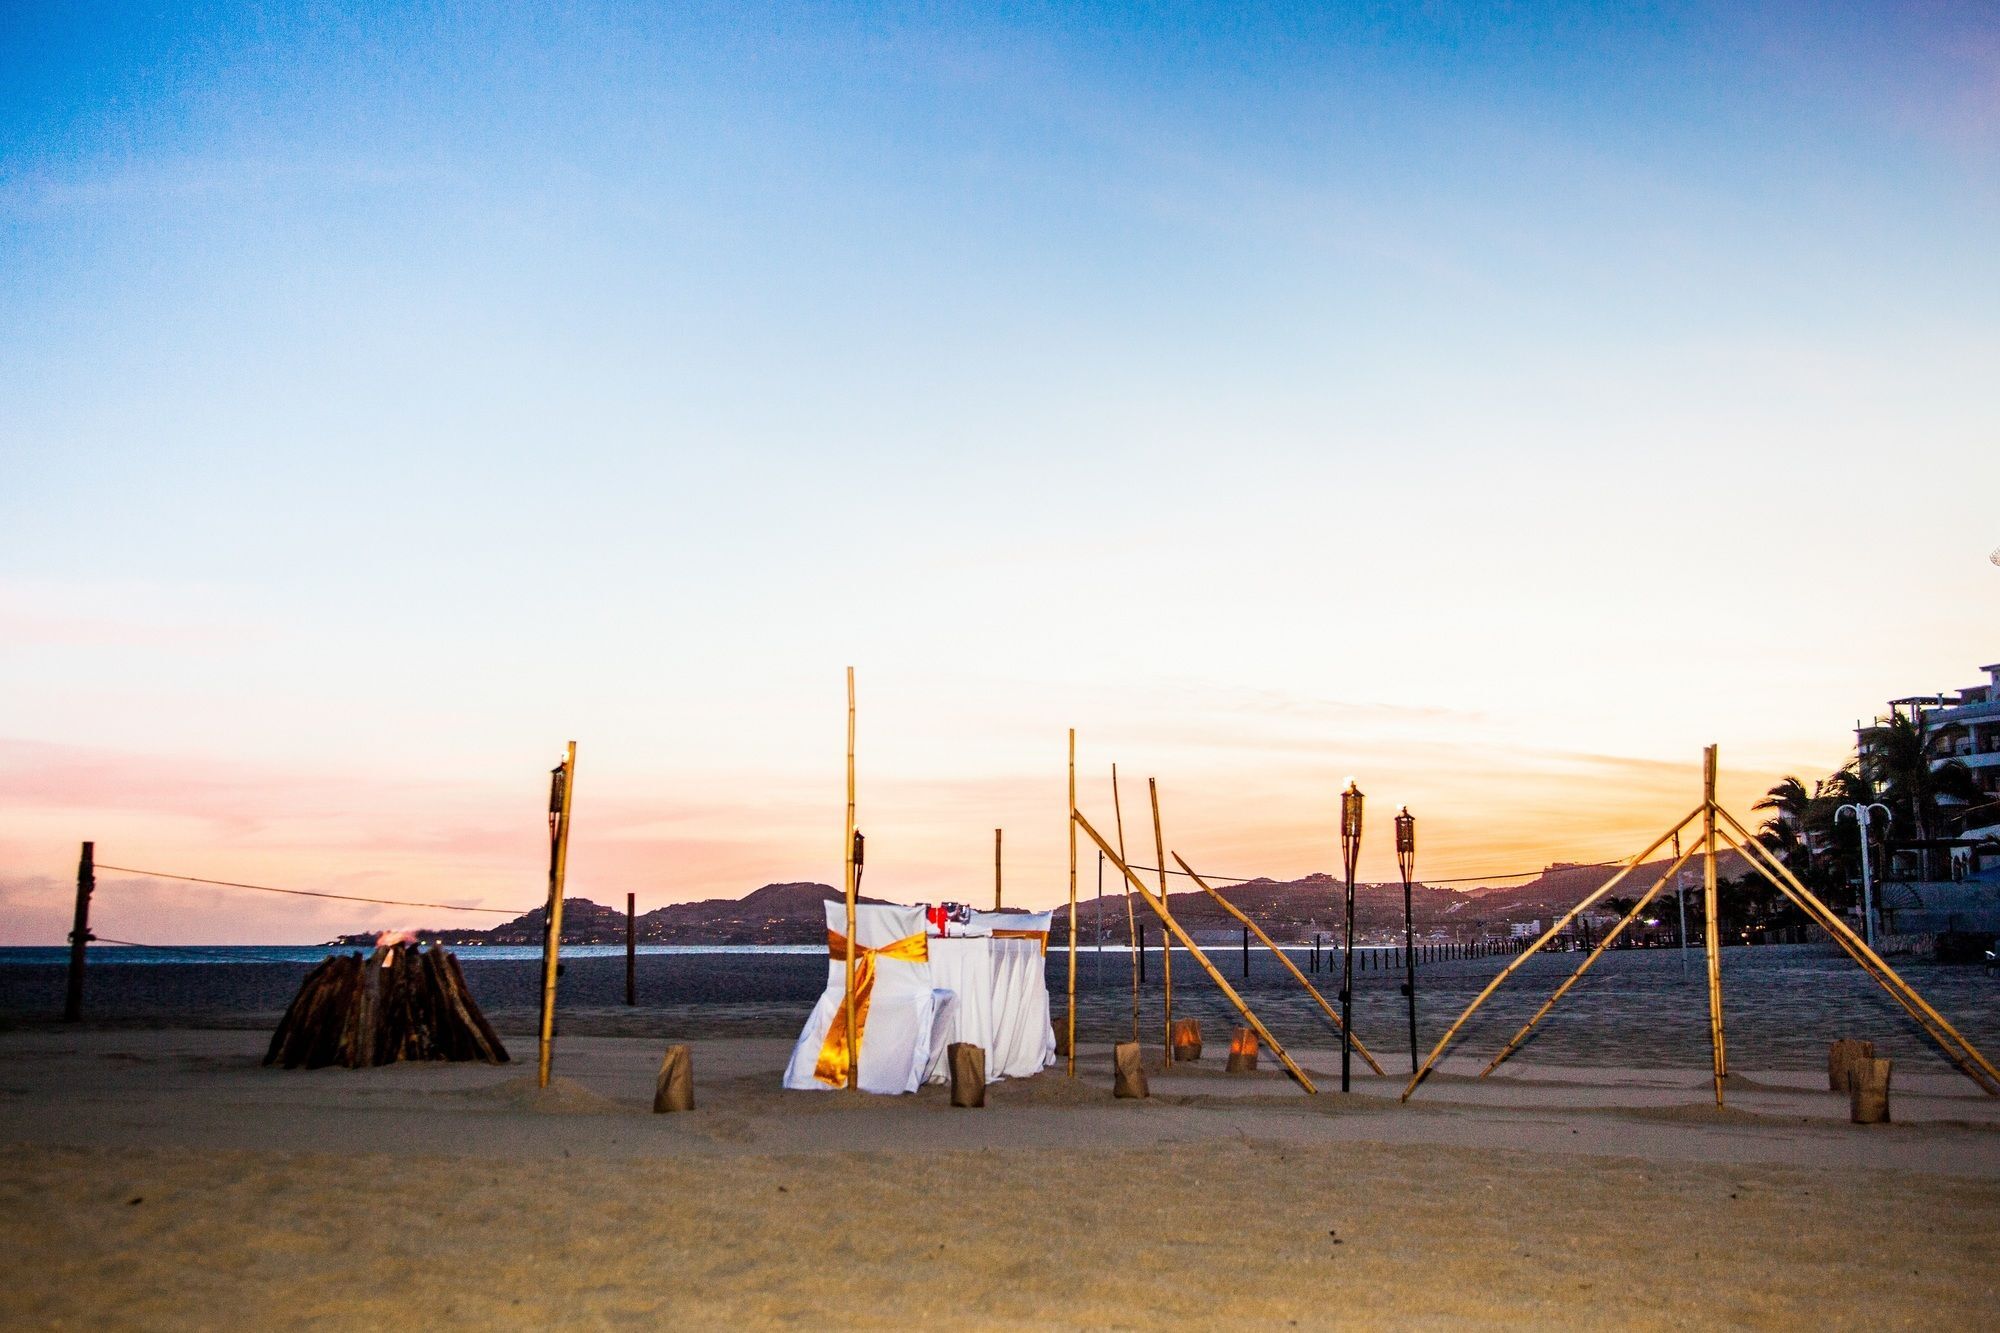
(1965, 727)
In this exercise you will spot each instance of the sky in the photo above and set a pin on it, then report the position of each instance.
(1494, 404)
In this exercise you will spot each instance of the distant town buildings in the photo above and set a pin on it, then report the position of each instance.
(1965, 727)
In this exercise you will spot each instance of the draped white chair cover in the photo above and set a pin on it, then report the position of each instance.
(1024, 1039)
(964, 966)
(900, 1035)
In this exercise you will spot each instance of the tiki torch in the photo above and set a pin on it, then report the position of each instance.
(1350, 850)
(1406, 861)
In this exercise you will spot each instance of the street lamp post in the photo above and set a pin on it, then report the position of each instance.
(1406, 861)
(1350, 851)
(1859, 813)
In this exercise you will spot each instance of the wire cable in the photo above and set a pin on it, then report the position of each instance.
(308, 893)
(1462, 879)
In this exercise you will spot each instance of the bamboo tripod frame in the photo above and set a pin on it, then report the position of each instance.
(1166, 945)
(847, 888)
(1173, 928)
(1954, 1045)
(1131, 917)
(1277, 952)
(1070, 1019)
(558, 871)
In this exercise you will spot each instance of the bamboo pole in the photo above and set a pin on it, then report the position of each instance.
(1166, 944)
(847, 889)
(1712, 921)
(1290, 966)
(558, 870)
(996, 870)
(1131, 917)
(1862, 953)
(1585, 966)
(1170, 926)
(1070, 1020)
(631, 949)
(1536, 947)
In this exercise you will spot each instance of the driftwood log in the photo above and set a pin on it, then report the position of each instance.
(1842, 1056)
(400, 1003)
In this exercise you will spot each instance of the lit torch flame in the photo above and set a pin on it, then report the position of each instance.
(389, 939)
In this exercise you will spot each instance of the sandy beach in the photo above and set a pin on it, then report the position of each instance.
(156, 1175)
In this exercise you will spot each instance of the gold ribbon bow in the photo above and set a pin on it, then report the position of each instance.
(834, 1063)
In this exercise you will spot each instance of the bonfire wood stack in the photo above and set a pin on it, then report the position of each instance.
(400, 1003)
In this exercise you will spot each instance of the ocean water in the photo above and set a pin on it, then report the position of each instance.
(116, 954)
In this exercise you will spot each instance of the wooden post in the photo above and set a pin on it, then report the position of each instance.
(79, 932)
(853, 945)
(1069, 1019)
(1711, 920)
(1166, 939)
(1523, 953)
(631, 949)
(1332, 1014)
(996, 870)
(1172, 928)
(1246, 953)
(552, 941)
(1131, 917)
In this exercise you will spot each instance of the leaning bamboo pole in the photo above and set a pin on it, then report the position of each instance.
(1290, 966)
(1537, 946)
(1131, 917)
(1173, 927)
(1070, 1020)
(848, 887)
(1166, 945)
(1858, 948)
(1823, 916)
(1587, 963)
(558, 870)
(1712, 921)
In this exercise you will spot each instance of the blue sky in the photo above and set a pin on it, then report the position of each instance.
(416, 393)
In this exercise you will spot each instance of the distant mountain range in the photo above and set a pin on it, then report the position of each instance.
(1291, 911)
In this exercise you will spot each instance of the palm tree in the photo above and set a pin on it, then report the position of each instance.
(1899, 760)
(1784, 832)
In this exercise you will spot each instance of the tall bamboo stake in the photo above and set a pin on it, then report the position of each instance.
(1711, 920)
(558, 869)
(1131, 917)
(1290, 966)
(1070, 1020)
(1166, 945)
(1585, 966)
(853, 945)
(1536, 947)
(996, 870)
(1171, 927)
(1858, 948)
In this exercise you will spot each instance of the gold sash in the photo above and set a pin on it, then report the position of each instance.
(833, 1056)
(1041, 935)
